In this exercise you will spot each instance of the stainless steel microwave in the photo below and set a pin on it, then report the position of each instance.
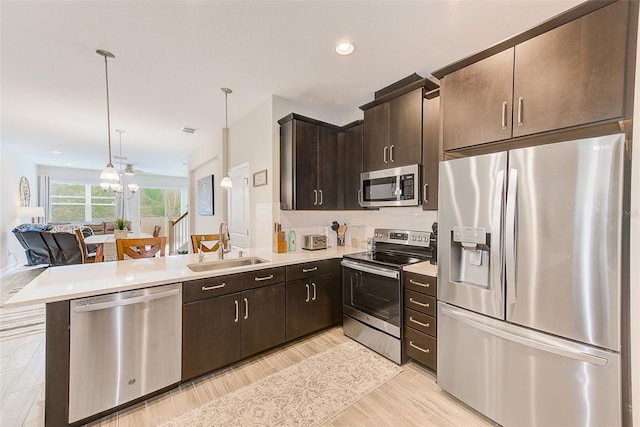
(390, 187)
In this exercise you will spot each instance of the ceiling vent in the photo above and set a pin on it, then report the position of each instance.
(188, 130)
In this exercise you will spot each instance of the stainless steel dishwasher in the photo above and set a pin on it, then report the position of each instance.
(123, 346)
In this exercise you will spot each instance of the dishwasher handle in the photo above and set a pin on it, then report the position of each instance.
(123, 302)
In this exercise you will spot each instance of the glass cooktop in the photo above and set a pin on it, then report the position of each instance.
(391, 259)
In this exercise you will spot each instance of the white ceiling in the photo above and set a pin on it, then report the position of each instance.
(172, 58)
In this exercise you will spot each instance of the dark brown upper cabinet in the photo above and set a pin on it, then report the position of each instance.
(568, 72)
(392, 134)
(309, 176)
(431, 152)
(350, 161)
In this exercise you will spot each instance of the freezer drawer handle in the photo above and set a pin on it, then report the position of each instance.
(210, 288)
(421, 304)
(418, 348)
(259, 279)
(424, 285)
(411, 319)
(123, 302)
(563, 352)
(307, 270)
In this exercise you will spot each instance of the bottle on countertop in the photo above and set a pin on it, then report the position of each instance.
(291, 241)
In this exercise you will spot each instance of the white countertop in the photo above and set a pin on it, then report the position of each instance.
(82, 280)
(425, 268)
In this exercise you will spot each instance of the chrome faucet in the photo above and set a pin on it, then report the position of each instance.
(224, 240)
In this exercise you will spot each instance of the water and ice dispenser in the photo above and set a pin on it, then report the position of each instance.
(470, 260)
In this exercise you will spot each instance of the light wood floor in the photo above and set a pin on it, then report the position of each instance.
(410, 399)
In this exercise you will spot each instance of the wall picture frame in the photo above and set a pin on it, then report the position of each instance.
(205, 196)
(260, 178)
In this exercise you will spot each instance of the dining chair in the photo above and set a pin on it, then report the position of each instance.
(156, 231)
(197, 238)
(147, 247)
(87, 256)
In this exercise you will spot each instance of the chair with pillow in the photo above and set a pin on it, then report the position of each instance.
(147, 247)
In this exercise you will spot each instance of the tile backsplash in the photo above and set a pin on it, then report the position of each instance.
(319, 222)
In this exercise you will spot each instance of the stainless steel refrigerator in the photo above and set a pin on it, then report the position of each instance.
(529, 283)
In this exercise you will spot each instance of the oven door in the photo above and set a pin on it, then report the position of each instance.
(371, 294)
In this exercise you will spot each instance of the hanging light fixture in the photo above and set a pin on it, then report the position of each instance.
(109, 173)
(226, 181)
(118, 187)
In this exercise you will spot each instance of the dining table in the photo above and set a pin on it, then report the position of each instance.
(108, 244)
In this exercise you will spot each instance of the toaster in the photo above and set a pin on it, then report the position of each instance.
(313, 242)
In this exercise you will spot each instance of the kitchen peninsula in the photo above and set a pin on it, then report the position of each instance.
(72, 291)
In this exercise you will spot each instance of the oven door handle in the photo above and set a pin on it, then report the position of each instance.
(394, 274)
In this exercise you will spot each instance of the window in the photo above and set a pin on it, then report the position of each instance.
(74, 202)
(161, 202)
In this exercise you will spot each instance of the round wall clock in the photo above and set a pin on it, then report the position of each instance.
(25, 192)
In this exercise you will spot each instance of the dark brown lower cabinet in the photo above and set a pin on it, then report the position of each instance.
(420, 322)
(312, 304)
(222, 330)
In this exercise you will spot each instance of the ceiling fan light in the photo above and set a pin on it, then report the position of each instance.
(110, 174)
(226, 182)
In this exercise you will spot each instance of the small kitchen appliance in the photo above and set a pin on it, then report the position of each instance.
(313, 242)
(390, 187)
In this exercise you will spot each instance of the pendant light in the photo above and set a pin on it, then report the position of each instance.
(109, 173)
(226, 181)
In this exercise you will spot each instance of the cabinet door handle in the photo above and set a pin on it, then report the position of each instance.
(307, 286)
(259, 279)
(391, 153)
(236, 303)
(315, 194)
(314, 292)
(210, 288)
(384, 153)
(418, 348)
(424, 285)
(307, 270)
(321, 197)
(504, 115)
(421, 304)
(246, 309)
(411, 319)
(520, 112)
(425, 193)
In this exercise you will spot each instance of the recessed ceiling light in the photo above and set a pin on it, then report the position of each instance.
(345, 48)
(56, 152)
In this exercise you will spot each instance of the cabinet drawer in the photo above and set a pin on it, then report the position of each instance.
(420, 283)
(420, 347)
(210, 287)
(310, 269)
(420, 302)
(420, 321)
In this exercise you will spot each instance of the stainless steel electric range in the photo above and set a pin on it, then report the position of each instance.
(372, 289)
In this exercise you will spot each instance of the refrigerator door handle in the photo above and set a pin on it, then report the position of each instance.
(496, 242)
(549, 348)
(510, 236)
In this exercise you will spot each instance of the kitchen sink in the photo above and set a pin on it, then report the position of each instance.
(225, 263)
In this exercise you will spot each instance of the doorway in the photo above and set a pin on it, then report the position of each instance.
(239, 207)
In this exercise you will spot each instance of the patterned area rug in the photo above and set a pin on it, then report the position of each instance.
(21, 321)
(306, 394)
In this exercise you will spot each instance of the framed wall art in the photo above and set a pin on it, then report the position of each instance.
(205, 196)
(260, 178)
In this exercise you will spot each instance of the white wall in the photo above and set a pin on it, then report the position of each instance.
(13, 166)
(206, 160)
